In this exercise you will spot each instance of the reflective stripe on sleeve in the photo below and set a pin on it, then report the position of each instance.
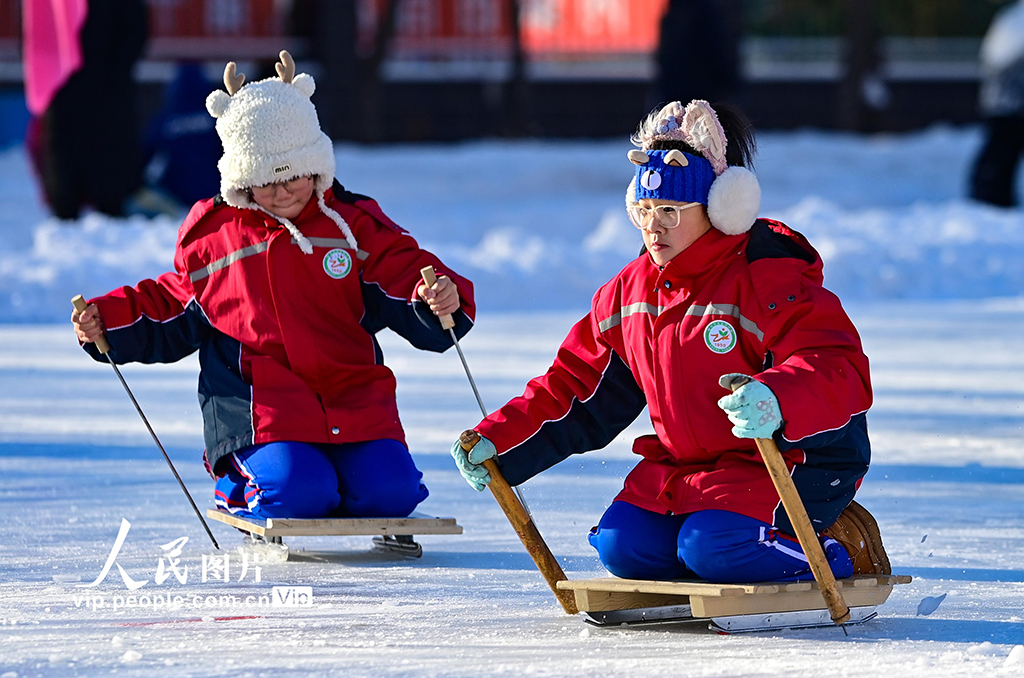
(626, 311)
(224, 262)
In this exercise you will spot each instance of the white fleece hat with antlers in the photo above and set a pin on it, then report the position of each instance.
(270, 132)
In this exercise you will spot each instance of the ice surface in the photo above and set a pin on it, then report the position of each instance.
(947, 364)
(947, 464)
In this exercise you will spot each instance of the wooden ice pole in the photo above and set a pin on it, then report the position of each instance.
(524, 527)
(794, 505)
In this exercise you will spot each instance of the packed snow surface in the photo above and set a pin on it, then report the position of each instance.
(539, 225)
(930, 279)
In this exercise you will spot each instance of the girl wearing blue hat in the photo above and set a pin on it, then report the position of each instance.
(716, 291)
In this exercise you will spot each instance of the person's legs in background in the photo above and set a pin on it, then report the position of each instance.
(994, 177)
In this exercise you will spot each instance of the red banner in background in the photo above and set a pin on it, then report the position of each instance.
(426, 29)
(216, 29)
(451, 29)
(440, 28)
(591, 26)
(213, 18)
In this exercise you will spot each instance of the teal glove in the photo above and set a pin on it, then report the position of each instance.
(753, 408)
(470, 465)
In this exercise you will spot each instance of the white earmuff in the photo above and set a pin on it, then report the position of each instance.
(734, 201)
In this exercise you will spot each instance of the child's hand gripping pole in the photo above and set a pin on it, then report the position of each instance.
(508, 498)
(798, 517)
(522, 523)
(430, 278)
(103, 346)
(427, 273)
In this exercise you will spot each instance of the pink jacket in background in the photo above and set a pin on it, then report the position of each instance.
(51, 47)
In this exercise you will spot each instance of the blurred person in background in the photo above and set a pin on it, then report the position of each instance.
(181, 147)
(79, 56)
(1002, 104)
(697, 55)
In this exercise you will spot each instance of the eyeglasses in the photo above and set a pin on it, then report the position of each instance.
(666, 216)
(292, 185)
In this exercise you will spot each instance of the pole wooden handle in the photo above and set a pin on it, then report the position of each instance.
(427, 272)
(524, 527)
(102, 345)
(805, 534)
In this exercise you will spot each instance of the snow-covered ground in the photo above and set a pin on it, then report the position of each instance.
(540, 225)
(930, 279)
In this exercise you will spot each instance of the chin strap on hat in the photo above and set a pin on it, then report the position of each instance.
(337, 219)
(304, 244)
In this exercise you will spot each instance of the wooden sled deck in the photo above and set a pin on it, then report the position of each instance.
(417, 523)
(610, 601)
(390, 535)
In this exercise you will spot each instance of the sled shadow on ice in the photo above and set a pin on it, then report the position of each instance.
(434, 556)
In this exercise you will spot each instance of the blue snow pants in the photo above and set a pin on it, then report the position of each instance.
(717, 546)
(376, 478)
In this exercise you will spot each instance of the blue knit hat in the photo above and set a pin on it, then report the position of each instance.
(674, 175)
(731, 195)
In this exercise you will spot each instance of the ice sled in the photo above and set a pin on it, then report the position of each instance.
(394, 535)
(727, 608)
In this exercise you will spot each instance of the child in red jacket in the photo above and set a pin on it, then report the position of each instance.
(716, 291)
(281, 283)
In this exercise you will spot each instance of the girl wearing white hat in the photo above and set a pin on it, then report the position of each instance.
(281, 283)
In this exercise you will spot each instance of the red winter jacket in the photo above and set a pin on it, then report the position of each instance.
(751, 303)
(286, 340)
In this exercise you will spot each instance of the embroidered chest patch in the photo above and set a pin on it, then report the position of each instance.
(337, 263)
(720, 336)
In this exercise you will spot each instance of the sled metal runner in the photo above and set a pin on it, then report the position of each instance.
(391, 535)
(740, 623)
(401, 544)
(726, 608)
